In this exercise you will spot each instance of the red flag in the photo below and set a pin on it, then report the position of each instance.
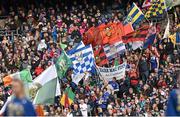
(138, 35)
(106, 33)
(100, 56)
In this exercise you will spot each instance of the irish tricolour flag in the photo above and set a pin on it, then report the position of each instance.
(23, 75)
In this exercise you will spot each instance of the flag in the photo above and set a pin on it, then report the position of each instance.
(128, 29)
(172, 3)
(146, 3)
(83, 60)
(135, 15)
(63, 46)
(167, 33)
(116, 62)
(23, 75)
(114, 50)
(157, 9)
(100, 56)
(107, 33)
(175, 38)
(67, 98)
(138, 35)
(78, 46)
(48, 86)
(62, 64)
(150, 37)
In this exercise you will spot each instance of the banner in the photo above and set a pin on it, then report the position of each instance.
(109, 73)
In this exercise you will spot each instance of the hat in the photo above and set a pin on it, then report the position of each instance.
(109, 107)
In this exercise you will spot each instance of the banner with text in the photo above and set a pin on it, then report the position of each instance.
(109, 73)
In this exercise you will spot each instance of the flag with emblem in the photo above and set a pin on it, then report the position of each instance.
(100, 56)
(157, 9)
(135, 15)
(83, 60)
(138, 35)
(62, 64)
(114, 50)
(47, 86)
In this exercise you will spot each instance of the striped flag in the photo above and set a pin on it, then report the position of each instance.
(67, 98)
(138, 35)
(157, 9)
(23, 75)
(115, 49)
(100, 56)
(135, 15)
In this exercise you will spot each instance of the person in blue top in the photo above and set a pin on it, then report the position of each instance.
(19, 105)
(173, 105)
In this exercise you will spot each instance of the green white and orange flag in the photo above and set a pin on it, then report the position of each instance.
(23, 75)
(67, 98)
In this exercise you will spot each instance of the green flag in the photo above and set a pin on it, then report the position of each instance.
(62, 64)
(116, 62)
(63, 46)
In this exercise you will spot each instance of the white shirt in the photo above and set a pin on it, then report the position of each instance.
(41, 45)
(83, 108)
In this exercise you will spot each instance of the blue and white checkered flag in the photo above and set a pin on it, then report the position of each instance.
(77, 47)
(83, 60)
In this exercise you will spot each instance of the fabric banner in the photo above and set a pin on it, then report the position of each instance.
(109, 73)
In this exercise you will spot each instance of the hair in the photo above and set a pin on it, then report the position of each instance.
(18, 81)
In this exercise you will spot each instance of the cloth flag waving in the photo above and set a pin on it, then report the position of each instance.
(135, 15)
(150, 37)
(100, 56)
(115, 49)
(24, 75)
(48, 86)
(62, 64)
(83, 60)
(138, 35)
(67, 98)
(167, 33)
(78, 46)
(157, 9)
(175, 38)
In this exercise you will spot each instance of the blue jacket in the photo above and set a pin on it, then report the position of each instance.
(173, 105)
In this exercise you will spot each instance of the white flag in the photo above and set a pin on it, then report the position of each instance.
(167, 33)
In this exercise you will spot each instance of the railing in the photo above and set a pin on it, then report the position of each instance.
(9, 33)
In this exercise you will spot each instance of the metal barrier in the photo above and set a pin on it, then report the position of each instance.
(10, 33)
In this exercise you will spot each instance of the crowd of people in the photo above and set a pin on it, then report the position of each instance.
(150, 75)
